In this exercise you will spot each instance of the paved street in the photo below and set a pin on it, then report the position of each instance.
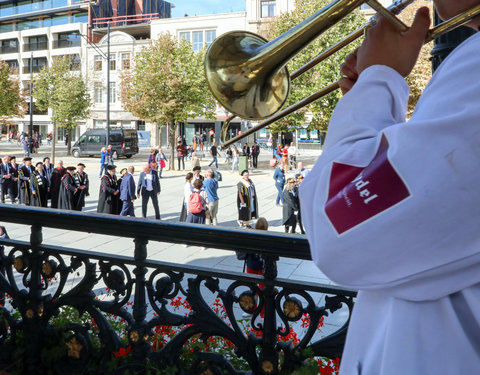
(170, 202)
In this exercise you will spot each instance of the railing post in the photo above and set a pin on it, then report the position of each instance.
(32, 305)
(138, 332)
(268, 355)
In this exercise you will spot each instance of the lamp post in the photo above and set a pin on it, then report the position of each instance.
(108, 85)
(31, 98)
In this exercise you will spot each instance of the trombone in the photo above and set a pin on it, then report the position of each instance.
(248, 75)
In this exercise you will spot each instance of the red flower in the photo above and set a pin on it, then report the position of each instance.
(123, 352)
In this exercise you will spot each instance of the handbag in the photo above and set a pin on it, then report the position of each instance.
(273, 162)
(162, 163)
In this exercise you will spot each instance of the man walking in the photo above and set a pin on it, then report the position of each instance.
(214, 153)
(211, 186)
(127, 193)
(149, 186)
(255, 153)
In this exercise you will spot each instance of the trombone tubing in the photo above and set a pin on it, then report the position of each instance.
(437, 31)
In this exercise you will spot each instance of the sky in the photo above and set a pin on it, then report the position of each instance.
(201, 7)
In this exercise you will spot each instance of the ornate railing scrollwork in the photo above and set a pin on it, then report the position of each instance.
(81, 312)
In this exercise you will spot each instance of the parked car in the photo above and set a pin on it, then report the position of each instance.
(124, 143)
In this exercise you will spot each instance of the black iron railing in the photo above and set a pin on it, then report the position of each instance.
(70, 311)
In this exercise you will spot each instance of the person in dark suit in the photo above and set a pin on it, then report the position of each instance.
(149, 186)
(8, 180)
(3, 234)
(127, 193)
(13, 163)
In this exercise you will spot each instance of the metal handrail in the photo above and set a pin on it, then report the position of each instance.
(264, 243)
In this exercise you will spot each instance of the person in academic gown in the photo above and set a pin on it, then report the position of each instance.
(13, 163)
(82, 183)
(107, 197)
(68, 189)
(55, 181)
(39, 187)
(24, 181)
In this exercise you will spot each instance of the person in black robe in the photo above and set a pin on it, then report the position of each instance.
(13, 163)
(82, 183)
(39, 186)
(24, 182)
(55, 182)
(291, 205)
(107, 197)
(68, 189)
(3, 234)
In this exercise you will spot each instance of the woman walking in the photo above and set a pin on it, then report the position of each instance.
(247, 203)
(187, 190)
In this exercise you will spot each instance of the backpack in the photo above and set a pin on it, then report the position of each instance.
(195, 205)
(217, 176)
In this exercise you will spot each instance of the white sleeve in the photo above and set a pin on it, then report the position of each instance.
(395, 205)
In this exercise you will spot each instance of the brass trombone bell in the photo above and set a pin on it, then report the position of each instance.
(248, 75)
(434, 33)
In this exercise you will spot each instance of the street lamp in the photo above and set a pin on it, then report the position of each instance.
(31, 97)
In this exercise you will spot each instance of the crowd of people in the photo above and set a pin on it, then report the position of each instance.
(41, 183)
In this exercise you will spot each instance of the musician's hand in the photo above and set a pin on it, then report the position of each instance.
(349, 70)
(385, 45)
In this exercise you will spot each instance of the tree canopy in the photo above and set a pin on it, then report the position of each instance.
(65, 92)
(320, 76)
(12, 99)
(166, 85)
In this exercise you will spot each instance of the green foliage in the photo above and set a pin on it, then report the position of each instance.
(63, 91)
(12, 101)
(322, 75)
(167, 85)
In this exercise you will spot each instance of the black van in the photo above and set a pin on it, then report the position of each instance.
(124, 142)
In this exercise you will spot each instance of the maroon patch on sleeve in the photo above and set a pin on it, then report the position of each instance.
(357, 194)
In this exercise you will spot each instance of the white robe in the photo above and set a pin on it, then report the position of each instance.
(394, 211)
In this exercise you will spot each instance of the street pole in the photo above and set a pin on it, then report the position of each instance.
(31, 97)
(108, 84)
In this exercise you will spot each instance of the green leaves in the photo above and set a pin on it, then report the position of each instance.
(64, 91)
(167, 83)
(320, 76)
(12, 101)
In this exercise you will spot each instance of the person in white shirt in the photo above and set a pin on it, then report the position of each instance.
(393, 205)
(187, 191)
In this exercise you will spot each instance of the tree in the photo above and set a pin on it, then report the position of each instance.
(65, 92)
(322, 75)
(167, 85)
(422, 72)
(12, 99)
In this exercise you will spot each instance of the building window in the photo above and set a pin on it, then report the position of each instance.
(36, 43)
(98, 92)
(65, 40)
(268, 8)
(12, 64)
(125, 60)
(185, 35)
(113, 62)
(210, 36)
(9, 46)
(197, 40)
(97, 66)
(113, 93)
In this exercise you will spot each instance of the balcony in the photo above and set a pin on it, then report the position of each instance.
(33, 7)
(38, 46)
(67, 43)
(8, 49)
(157, 315)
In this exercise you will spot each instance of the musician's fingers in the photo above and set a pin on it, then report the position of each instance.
(351, 61)
(346, 84)
(347, 71)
